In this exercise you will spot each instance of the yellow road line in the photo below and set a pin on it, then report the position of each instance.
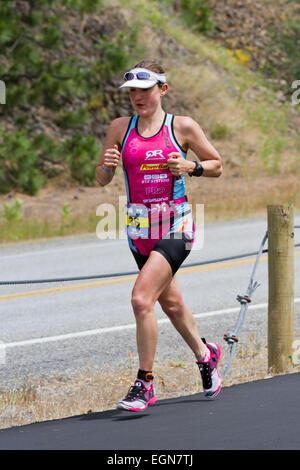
(224, 264)
(58, 290)
(127, 279)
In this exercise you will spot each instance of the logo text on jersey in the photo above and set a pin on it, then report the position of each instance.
(153, 166)
(156, 154)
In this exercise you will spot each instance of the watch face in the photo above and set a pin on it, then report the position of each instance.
(198, 170)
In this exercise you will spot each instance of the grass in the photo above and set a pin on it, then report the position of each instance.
(96, 390)
(242, 198)
(32, 229)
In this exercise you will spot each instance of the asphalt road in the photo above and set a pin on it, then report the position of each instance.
(262, 415)
(56, 328)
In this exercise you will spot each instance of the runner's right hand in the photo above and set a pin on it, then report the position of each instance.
(111, 158)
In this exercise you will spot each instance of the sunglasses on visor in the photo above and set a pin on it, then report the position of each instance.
(139, 76)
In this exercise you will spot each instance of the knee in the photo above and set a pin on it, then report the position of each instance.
(141, 305)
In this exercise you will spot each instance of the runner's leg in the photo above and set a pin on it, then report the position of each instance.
(171, 302)
(153, 279)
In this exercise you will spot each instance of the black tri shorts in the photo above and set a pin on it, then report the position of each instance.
(174, 249)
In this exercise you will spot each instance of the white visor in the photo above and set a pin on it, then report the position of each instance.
(154, 78)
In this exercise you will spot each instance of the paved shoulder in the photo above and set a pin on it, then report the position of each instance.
(263, 414)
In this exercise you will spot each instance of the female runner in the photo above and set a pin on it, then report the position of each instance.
(160, 228)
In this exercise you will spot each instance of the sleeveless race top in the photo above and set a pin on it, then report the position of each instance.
(148, 179)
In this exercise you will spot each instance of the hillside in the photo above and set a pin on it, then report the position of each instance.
(64, 93)
(256, 33)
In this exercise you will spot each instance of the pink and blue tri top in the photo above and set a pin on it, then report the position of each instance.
(157, 203)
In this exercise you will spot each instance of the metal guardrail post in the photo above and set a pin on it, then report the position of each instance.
(281, 286)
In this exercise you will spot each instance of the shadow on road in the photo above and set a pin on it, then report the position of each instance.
(119, 415)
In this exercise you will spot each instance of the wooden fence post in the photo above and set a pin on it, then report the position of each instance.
(281, 286)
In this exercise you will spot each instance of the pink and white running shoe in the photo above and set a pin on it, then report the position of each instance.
(211, 378)
(139, 397)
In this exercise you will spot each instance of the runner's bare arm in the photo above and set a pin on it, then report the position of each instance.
(194, 138)
(110, 154)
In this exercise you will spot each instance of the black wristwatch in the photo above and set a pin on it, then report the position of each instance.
(198, 169)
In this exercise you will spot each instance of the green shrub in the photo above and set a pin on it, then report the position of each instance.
(220, 131)
(33, 78)
(19, 164)
(197, 15)
(66, 211)
(22, 160)
(31, 60)
(114, 54)
(82, 153)
(74, 119)
(13, 213)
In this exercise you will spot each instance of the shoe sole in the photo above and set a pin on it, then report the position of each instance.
(125, 408)
(216, 393)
